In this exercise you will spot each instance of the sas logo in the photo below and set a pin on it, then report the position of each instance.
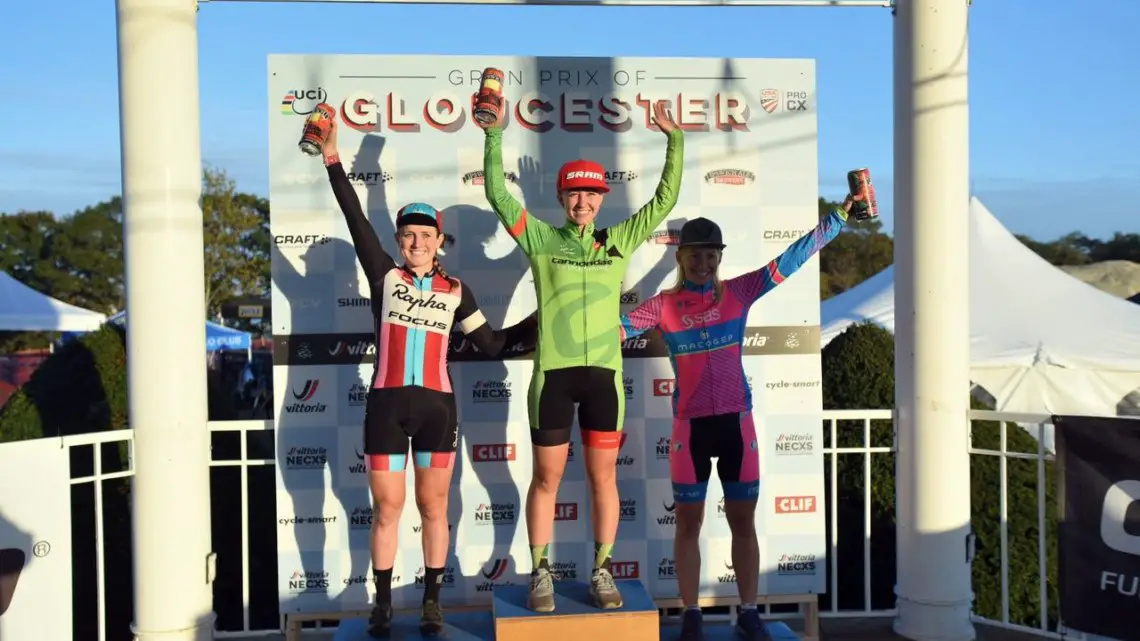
(733, 177)
(770, 100)
(301, 102)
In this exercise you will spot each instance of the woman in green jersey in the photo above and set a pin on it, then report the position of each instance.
(578, 271)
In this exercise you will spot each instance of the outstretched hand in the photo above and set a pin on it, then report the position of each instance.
(661, 117)
(329, 149)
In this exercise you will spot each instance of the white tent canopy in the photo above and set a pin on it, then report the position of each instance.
(23, 309)
(1041, 341)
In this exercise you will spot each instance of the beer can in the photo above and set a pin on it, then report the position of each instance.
(859, 184)
(489, 100)
(316, 130)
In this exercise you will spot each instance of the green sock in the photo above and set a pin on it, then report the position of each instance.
(602, 553)
(538, 554)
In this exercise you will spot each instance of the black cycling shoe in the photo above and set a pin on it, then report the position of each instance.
(691, 626)
(750, 627)
(431, 619)
(380, 621)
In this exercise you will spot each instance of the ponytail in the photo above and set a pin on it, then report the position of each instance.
(443, 274)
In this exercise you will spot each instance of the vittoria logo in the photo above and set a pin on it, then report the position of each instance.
(730, 177)
(476, 177)
(770, 99)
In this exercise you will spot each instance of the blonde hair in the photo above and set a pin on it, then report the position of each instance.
(718, 284)
(443, 274)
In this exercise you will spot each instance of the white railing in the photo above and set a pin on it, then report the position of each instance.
(838, 428)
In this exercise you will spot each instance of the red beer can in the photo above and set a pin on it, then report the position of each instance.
(317, 128)
(489, 100)
(859, 184)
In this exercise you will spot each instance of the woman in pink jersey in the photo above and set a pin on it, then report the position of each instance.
(702, 320)
(416, 307)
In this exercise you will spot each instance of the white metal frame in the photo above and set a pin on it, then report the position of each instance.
(161, 158)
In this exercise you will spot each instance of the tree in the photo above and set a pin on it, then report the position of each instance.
(89, 258)
(858, 373)
(860, 251)
(235, 263)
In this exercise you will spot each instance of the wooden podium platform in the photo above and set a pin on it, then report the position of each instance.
(575, 616)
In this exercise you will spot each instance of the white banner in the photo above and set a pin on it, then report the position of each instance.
(750, 165)
(35, 540)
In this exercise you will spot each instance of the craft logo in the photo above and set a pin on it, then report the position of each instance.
(297, 520)
(795, 504)
(796, 565)
(12, 562)
(303, 402)
(369, 177)
(360, 518)
(628, 509)
(491, 392)
(302, 102)
(566, 512)
(493, 452)
(625, 569)
(357, 395)
(666, 570)
(354, 301)
(358, 467)
(493, 574)
(308, 582)
(794, 444)
(347, 349)
(785, 235)
(363, 579)
(669, 518)
(625, 460)
(476, 178)
(664, 386)
(664, 237)
(732, 177)
(496, 514)
(300, 240)
(446, 580)
(620, 176)
(565, 570)
(661, 450)
(306, 458)
(727, 577)
(770, 100)
(627, 383)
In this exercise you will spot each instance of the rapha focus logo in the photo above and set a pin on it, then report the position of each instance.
(302, 102)
(493, 574)
(446, 580)
(669, 518)
(308, 582)
(306, 458)
(496, 514)
(733, 177)
(491, 392)
(477, 178)
(303, 399)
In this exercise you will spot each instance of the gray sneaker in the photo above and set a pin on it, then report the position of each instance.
(604, 590)
(541, 597)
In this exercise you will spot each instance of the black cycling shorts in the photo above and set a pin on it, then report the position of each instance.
(731, 440)
(599, 394)
(426, 417)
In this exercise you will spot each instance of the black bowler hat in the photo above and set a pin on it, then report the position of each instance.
(701, 232)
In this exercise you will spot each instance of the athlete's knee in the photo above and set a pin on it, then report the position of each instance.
(602, 477)
(546, 479)
(386, 514)
(432, 507)
(689, 519)
(741, 516)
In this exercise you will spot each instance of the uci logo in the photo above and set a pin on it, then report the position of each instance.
(1113, 522)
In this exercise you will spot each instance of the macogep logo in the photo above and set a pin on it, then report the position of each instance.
(301, 102)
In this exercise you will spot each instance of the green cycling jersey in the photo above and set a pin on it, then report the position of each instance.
(578, 274)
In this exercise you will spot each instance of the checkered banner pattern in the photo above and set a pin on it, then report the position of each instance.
(750, 164)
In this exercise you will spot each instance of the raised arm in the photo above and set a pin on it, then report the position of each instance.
(528, 231)
(518, 339)
(751, 286)
(643, 318)
(375, 261)
(633, 231)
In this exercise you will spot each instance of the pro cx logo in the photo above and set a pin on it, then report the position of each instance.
(1113, 523)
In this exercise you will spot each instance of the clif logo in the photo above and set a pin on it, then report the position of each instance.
(663, 386)
(625, 569)
(493, 452)
(795, 504)
(566, 512)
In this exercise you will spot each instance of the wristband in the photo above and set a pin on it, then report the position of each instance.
(332, 160)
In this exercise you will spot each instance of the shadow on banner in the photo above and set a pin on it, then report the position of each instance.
(1099, 471)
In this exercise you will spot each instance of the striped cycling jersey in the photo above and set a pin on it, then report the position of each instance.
(414, 316)
(704, 335)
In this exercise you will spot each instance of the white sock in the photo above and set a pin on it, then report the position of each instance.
(747, 606)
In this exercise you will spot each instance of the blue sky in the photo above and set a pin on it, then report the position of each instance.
(1054, 130)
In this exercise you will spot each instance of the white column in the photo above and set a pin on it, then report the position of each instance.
(166, 318)
(932, 320)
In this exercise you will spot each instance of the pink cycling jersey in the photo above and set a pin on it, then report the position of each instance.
(704, 335)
